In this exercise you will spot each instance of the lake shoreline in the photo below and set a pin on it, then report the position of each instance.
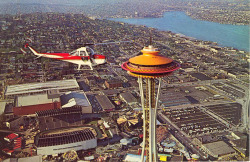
(225, 35)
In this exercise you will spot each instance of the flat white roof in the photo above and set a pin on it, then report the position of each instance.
(40, 87)
(35, 100)
(2, 106)
(133, 158)
(219, 148)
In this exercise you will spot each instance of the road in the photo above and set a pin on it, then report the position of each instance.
(181, 137)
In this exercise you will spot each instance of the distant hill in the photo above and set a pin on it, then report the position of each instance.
(222, 11)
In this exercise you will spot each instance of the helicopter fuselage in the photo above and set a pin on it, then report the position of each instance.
(80, 56)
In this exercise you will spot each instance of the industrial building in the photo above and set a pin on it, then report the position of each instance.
(114, 83)
(200, 76)
(239, 143)
(79, 99)
(27, 105)
(60, 142)
(233, 91)
(172, 98)
(37, 158)
(110, 92)
(12, 91)
(105, 103)
(218, 149)
(128, 98)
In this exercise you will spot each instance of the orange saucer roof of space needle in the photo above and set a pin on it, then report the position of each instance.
(150, 64)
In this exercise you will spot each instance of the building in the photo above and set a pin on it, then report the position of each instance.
(105, 74)
(240, 143)
(27, 105)
(60, 118)
(113, 83)
(172, 98)
(110, 92)
(133, 157)
(91, 80)
(57, 142)
(2, 107)
(79, 99)
(35, 88)
(21, 123)
(37, 158)
(218, 149)
(162, 133)
(105, 103)
(200, 76)
(128, 98)
(55, 112)
(35, 99)
(238, 135)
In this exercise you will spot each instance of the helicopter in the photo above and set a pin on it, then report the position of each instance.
(81, 56)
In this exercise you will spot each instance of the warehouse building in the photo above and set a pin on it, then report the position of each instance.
(12, 91)
(128, 98)
(218, 149)
(113, 83)
(28, 105)
(105, 103)
(61, 142)
(172, 98)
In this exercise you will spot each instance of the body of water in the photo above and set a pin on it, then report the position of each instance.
(236, 36)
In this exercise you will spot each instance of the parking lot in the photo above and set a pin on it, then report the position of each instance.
(193, 121)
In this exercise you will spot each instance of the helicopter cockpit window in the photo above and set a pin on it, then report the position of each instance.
(90, 51)
(82, 53)
(73, 53)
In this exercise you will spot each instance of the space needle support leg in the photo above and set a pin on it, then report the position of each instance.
(150, 128)
(140, 81)
(155, 117)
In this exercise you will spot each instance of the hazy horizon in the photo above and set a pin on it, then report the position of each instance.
(59, 2)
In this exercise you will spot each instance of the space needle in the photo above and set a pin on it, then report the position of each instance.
(147, 67)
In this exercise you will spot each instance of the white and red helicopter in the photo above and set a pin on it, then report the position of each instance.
(81, 56)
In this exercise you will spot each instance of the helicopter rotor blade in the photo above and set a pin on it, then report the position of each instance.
(113, 42)
(88, 44)
(96, 44)
(137, 54)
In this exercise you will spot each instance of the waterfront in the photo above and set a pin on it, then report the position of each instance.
(236, 36)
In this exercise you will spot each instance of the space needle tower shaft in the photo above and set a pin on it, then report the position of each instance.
(147, 68)
(149, 105)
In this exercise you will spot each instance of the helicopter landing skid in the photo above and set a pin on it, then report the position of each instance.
(79, 68)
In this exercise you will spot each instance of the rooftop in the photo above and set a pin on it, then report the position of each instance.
(219, 148)
(128, 97)
(54, 112)
(40, 87)
(104, 102)
(60, 121)
(65, 138)
(70, 99)
(2, 107)
(34, 100)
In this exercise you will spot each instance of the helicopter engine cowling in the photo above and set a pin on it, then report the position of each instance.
(99, 59)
